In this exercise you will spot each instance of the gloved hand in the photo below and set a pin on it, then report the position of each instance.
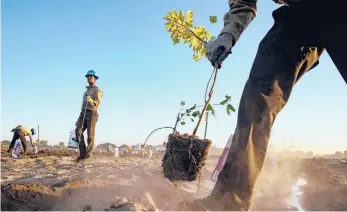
(89, 99)
(218, 50)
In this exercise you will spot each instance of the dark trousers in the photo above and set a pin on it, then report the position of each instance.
(89, 123)
(291, 48)
(18, 134)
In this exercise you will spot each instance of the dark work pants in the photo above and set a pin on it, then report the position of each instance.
(89, 123)
(291, 48)
(18, 134)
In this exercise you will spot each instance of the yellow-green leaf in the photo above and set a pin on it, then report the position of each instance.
(167, 17)
(175, 39)
(195, 42)
(189, 18)
(196, 57)
(203, 52)
(180, 28)
(174, 14)
(168, 25)
(181, 16)
(213, 19)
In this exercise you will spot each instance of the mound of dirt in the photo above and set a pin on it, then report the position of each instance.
(42, 153)
(58, 152)
(33, 197)
(27, 197)
(326, 189)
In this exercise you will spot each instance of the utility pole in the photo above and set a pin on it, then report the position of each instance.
(38, 135)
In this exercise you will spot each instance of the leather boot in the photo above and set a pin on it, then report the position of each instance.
(89, 150)
(82, 153)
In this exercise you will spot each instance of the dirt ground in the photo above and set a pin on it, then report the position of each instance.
(53, 181)
(326, 188)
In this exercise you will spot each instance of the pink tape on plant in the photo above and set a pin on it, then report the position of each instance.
(221, 161)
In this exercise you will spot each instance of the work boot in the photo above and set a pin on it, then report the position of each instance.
(9, 150)
(87, 156)
(90, 149)
(82, 154)
(79, 158)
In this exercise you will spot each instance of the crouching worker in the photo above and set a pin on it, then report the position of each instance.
(20, 132)
(88, 116)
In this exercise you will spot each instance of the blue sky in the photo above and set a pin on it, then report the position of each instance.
(48, 46)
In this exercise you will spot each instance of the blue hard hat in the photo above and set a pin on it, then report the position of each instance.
(33, 131)
(92, 73)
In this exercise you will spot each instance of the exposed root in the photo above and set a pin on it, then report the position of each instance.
(185, 157)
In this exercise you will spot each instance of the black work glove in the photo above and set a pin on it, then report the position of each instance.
(218, 50)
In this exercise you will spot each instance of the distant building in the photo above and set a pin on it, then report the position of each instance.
(160, 148)
(138, 147)
(123, 150)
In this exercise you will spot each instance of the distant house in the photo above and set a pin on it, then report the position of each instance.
(104, 147)
(138, 147)
(123, 150)
(160, 148)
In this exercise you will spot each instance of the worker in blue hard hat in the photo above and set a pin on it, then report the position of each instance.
(20, 132)
(88, 116)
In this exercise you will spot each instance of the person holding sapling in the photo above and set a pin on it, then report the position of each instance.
(20, 132)
(88, 116)
(302, 30)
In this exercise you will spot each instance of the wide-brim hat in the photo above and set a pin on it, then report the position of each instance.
(92, 73)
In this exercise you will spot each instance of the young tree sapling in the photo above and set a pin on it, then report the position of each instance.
(186, 154)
